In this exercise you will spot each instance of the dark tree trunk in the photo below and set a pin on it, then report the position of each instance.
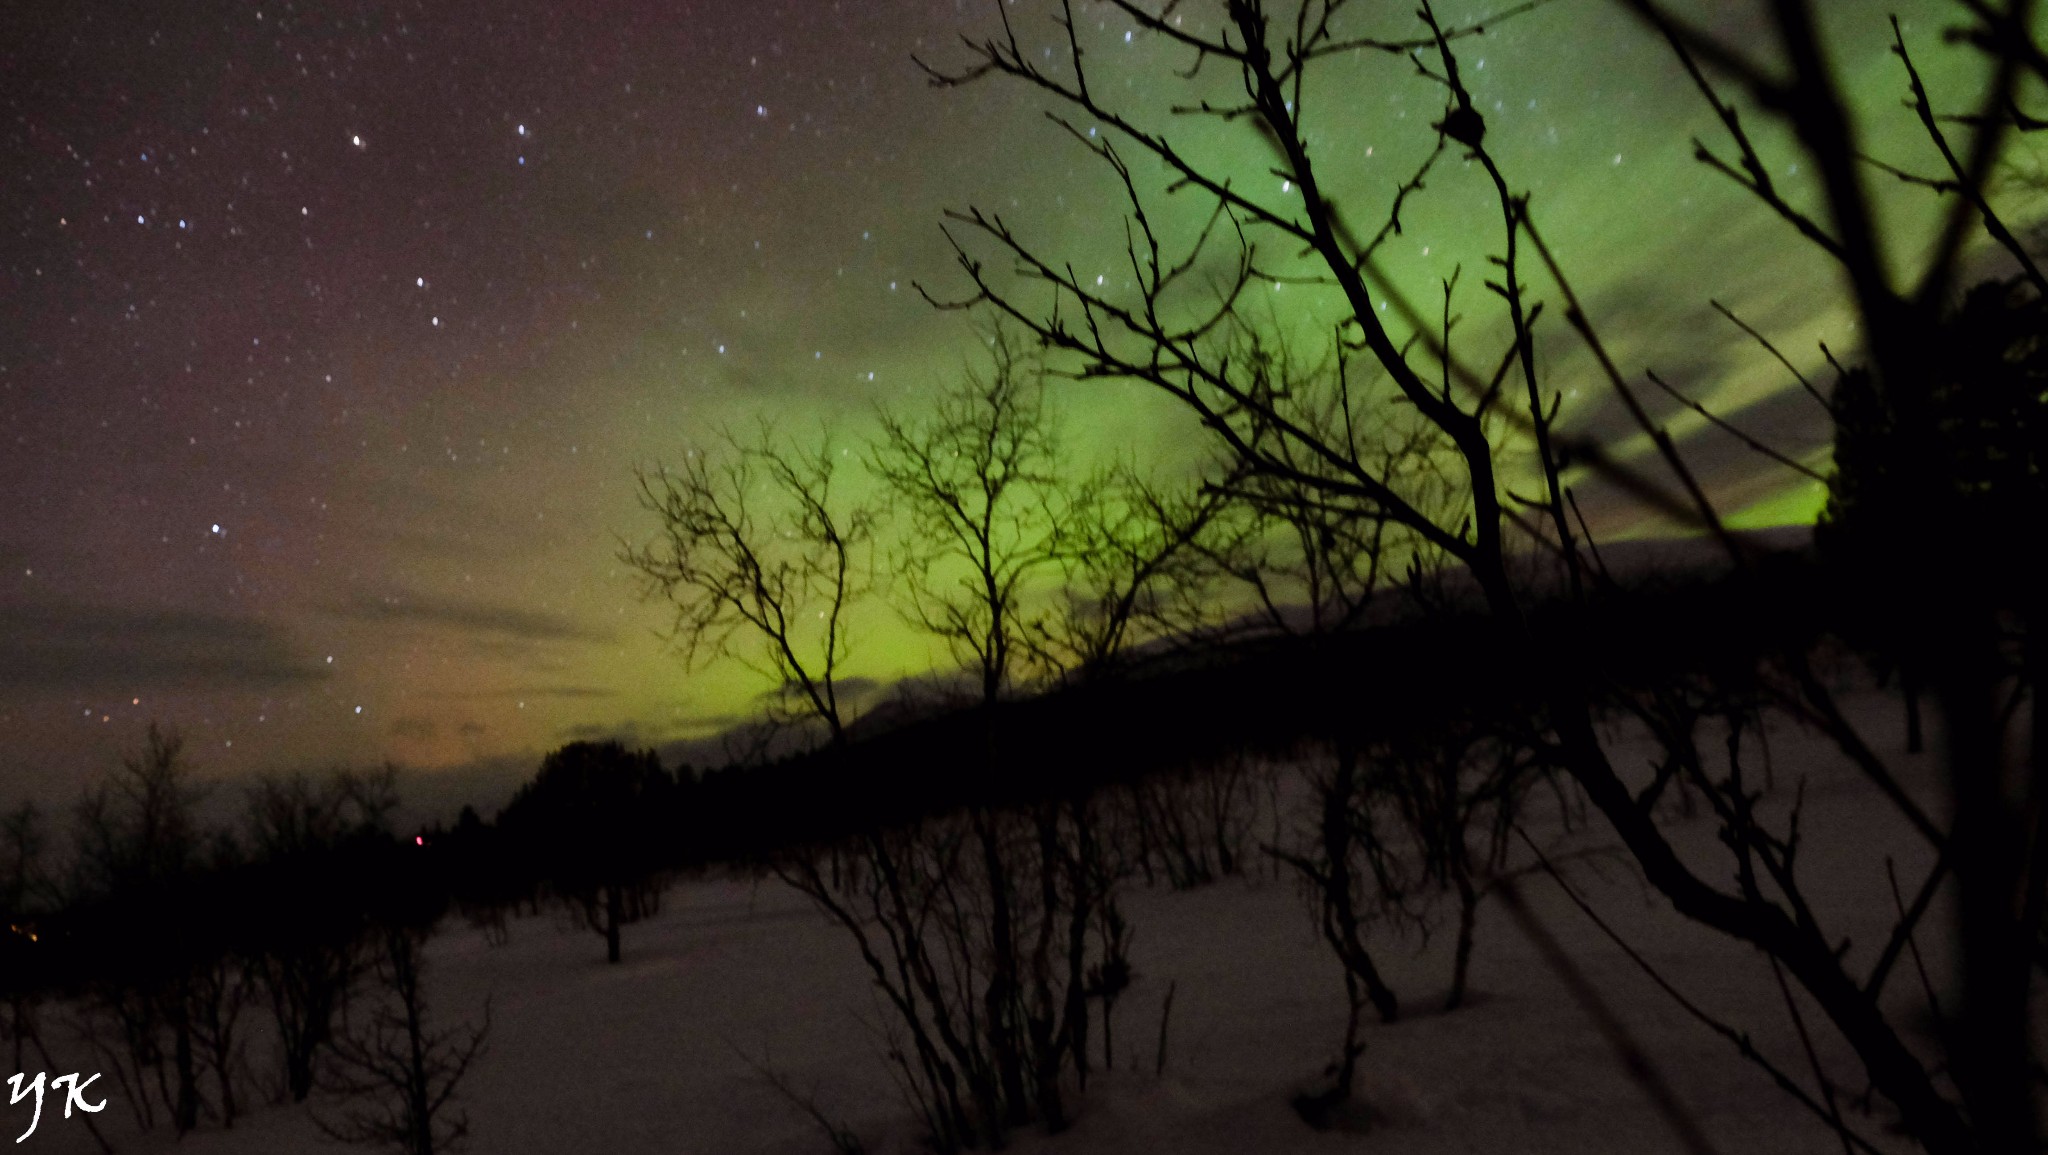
(1468, 914)
(611, 923)
(1989, 840)
(1910, 684)
(1340, 903)
(999, 1001)
(1083, 906)
(185, 1110)
(1108, 1053)
(1347, 1064)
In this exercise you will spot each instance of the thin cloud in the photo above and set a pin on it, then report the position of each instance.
(521, 692)
(473, 617)
(414, 727)
(69, 647)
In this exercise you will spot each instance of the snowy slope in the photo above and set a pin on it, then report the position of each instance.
(641, 1058)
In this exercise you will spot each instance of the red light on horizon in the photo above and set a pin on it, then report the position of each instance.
(419, 840)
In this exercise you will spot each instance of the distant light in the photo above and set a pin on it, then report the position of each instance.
(421, 839)
(356, 140)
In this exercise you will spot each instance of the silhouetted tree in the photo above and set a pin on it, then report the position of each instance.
(1133, 575)
(1279, 60)
(1315, 568)
(222, 984)
(487, 880)
(139, 869)
(761, 562)
(396, 1073)
(975, 479)
(1906, 507)
(990, 520)
(1354, 879)
(1453, 785)
(305, 837)
(595, 820)
(1939, 446)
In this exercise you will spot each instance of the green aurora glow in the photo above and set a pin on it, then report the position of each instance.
(713, 220)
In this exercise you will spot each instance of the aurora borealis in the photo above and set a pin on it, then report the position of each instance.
(330, 334)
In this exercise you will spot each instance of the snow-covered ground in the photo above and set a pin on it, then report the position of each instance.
(644, 1057)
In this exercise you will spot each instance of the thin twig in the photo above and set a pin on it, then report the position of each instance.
(1741, 1039)
(1773, 351)
(1732, 431)
(1820, 1075)
(1635, 1060)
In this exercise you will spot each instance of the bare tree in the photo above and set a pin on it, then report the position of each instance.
(985, 1017)
(140, 823)
(1315, 568)
(974, 479)
(140, 851)
(593, 822)
(397, 1073)
(977, 481)
(298, 830)
(1453, 785)
(1178, 333)
(761, 563)
(1133, 574)
(1354, 878)
(1919, 452)
(982, 929)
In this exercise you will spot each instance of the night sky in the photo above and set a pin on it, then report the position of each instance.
(330, 334)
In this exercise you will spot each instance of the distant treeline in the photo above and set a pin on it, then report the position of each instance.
(1272, 695)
